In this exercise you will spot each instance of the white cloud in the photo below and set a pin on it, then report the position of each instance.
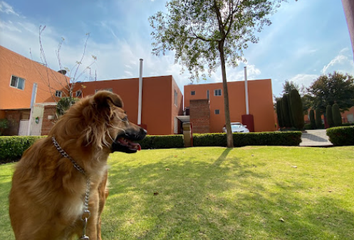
(6, 8)
(304, 79)
(338, 60)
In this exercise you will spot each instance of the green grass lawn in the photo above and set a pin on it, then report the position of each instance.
(220, 193)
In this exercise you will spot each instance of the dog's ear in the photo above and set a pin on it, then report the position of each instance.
(103, 99)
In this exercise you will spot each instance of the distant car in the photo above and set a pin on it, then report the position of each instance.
(237, 127)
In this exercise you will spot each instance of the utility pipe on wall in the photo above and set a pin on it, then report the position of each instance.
(246, 91)
(33, 100)
(140, 90)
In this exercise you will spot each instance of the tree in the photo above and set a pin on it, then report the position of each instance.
(296, 109)
(206, 33)
(337, 117)
(312, 119)
(334, 88)
(329, 116)
(285, 111)
(71, 75)
(279, 113)
(318, 118)
(290, 85)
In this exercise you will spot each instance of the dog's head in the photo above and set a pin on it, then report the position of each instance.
(101, 122)
(122, 134)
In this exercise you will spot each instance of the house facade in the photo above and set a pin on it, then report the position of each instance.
(18, 76)
(210, 99)
(162, 101)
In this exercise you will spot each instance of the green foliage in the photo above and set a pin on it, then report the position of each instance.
(12, 148)
(4, 124)
(337, 117)
(198, 30)
(285, 111)
(319, 124)
(280, 113)
(162, 141)
(329, 116)
(296, 109)
(334, 88)
(341, 136)
(312, 119)
(64, 104)
(290, 138)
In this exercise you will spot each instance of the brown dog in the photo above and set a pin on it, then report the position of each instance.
(59, 185)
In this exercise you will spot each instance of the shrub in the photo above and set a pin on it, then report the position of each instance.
(312, 119)
(279, 113)
(341, 136)
(162, 141)
(4, 124)
(12, 148)
(285, 111)
(318, 119)
(329, 116)
(289, 138)
(337, 117)
(296, 109)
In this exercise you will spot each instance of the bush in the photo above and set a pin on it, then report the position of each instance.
(162, 141)
(337, 117)
(329, 116)
(296, 109)
(341, 136)
(289, 138)
(319, 124)
(312, 119)
(12, 148)
(4, 124)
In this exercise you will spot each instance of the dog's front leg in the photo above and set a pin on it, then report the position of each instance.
(91, 228)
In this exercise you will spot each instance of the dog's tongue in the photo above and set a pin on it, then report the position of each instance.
(129, 144)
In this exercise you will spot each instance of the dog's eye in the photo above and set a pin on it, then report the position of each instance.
(125, 119)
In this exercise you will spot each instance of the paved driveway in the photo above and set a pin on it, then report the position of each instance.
(315, 138)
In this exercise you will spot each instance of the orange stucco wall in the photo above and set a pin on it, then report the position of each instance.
(158, 108)
(11, 64)
(260, 103)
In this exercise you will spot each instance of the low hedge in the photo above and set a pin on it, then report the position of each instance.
(12, 148)
(290, 138)
(162, 141)
(341, 136)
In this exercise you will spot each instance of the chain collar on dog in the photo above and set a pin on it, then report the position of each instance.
(86, 212)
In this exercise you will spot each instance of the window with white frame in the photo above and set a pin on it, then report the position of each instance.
(207, 93)
(58, 93)
(217, 111)
(217, 92)
(17, 82)
(192, 93)
(78, 93)
(175, 97)
(106, 89)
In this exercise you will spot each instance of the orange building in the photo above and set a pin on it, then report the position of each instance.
(162, 101)
(260, 103)
(18, 75)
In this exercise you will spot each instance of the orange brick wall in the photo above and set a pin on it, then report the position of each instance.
(260, 103)
(12, 63)
(200, 116)
(158, 108)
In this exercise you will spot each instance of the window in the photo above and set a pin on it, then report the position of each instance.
(208, 94)
(217, 111)
(107, 89)
(58, 93)
(175, 97)
(17, 82)
(192, 93)
(217, 92)
(79, 93)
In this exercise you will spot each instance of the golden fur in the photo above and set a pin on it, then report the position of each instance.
(47, 195)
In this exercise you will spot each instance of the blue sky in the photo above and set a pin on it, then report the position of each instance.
(307, 38)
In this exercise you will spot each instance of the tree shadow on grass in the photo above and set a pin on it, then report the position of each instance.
(223, 198)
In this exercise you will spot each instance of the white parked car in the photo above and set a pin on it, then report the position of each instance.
(237, 127)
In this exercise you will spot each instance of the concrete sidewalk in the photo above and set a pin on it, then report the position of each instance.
(315, 138)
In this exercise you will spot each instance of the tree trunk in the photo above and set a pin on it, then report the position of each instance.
(230, 141)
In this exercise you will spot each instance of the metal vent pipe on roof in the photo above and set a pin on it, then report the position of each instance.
(140, 90)
(246, 91)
